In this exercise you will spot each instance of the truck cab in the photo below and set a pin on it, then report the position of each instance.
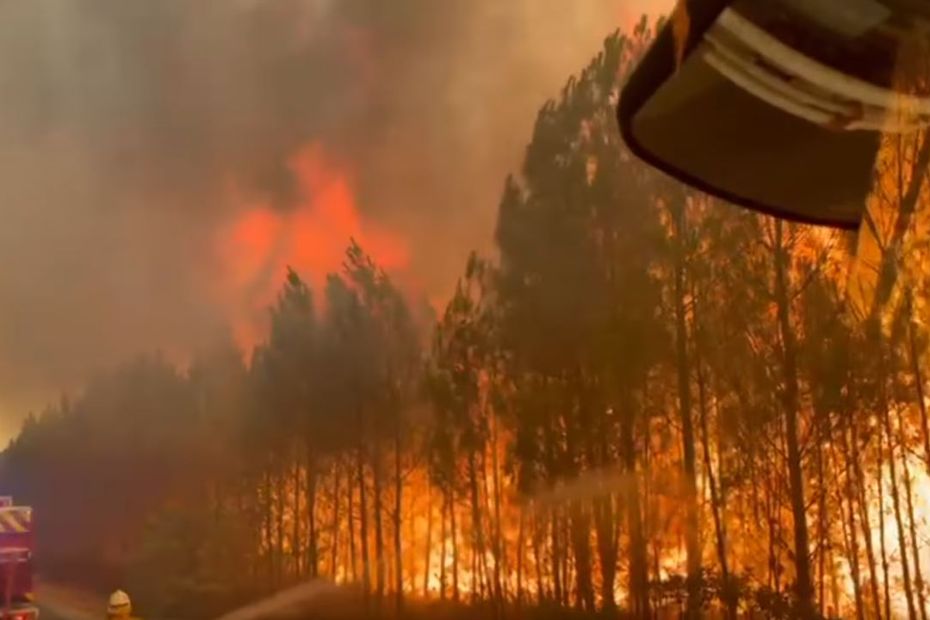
(16, 561)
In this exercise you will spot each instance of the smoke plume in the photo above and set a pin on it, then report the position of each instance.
(160, 162)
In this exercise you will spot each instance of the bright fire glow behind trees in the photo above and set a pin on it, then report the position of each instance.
(527, 447)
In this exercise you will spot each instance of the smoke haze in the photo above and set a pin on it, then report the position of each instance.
(160, 162)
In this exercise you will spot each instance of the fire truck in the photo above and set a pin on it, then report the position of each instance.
(16, 547)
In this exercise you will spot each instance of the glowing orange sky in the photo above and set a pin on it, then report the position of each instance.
(262, 242)
(125, 125)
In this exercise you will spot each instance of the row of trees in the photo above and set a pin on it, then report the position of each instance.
(649, 400)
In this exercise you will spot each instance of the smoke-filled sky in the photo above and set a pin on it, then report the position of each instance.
(161, 162)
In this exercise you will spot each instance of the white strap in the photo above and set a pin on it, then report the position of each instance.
(814, 72)
(830, 98)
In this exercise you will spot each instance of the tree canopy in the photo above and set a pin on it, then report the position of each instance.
(646, 401)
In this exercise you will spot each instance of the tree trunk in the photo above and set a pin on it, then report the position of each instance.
(313, 561)
(497, 546)
(864, 520)
(350, 519)
(919, 387)
(477, 529)
(521, 543)
(565, 535)
(688, 468)
(429, 538)
(895, 494)
(455, 547)
(378, 508)
(442, 549)
(716, 502)
(279, 526)
(268, 521)
(850, 531)
(584, 583)
(851, 546)
(650, 510)
(886, 580)
(541, 594)
(398, 504)
(565, 538)
(410, 550)
(925, 434)
(363, 522)
(556, 557)
(822, 535)
(295, 533)
(639, 569)
(803, 585)
(918, 574)
(606, 549)
(488, 581)
(334, 527)
(772, 521)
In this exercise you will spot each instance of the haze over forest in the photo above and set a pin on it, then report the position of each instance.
(637, 399)
(162, 162)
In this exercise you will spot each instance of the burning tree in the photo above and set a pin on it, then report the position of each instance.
(645, 401)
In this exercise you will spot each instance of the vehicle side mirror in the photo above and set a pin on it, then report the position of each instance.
(775, 105)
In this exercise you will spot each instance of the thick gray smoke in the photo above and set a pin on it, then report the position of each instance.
(123, 124)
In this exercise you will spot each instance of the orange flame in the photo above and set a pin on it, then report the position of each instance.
(311, 237)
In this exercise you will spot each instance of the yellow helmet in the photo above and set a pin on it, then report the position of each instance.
(119, 604)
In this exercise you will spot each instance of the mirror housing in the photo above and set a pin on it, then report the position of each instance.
(722, 104)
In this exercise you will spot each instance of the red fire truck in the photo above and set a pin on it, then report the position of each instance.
(16, 545)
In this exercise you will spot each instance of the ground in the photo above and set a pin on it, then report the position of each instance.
(62, 603)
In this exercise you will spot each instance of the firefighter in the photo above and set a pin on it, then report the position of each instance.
(120, 607)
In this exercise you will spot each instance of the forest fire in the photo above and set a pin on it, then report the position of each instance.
(892, 535)
(645, 403)
(309, 236)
